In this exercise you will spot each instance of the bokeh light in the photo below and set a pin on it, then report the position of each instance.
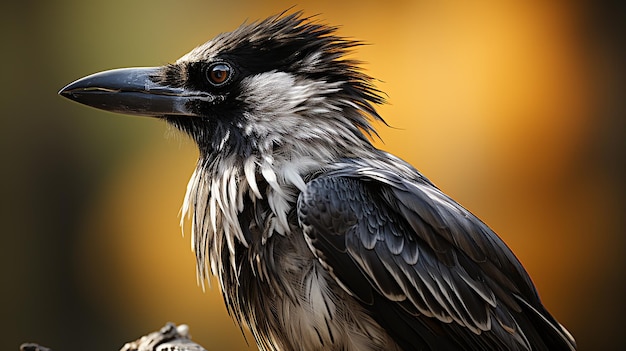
(515, 109)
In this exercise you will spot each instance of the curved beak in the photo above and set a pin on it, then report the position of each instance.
(134, 91)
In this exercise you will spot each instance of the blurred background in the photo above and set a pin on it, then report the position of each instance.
(516, 109)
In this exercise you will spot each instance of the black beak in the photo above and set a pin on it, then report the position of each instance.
(134, 91)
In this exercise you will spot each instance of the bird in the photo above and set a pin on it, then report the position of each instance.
(318, 239)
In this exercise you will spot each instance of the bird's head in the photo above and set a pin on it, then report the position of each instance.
(280, 85)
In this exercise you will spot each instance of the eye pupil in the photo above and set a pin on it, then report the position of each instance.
(219, 73)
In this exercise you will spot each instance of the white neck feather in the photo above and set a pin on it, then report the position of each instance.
(215, 198)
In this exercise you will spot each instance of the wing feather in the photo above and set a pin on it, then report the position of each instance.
(420, 261)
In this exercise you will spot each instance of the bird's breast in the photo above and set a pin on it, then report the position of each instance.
(290, 302)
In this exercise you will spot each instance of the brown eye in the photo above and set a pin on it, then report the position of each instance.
(218, 74)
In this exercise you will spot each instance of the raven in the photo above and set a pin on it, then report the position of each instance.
(319, 240)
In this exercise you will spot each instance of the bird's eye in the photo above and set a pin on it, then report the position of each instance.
(219, 74)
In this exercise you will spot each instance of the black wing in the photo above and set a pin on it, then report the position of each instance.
(431, 273)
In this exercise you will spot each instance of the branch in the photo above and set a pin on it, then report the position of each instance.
(169, 338)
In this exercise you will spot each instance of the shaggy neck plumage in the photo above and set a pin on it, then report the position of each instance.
(224, 180)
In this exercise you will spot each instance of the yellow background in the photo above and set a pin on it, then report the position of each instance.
(513, 108)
